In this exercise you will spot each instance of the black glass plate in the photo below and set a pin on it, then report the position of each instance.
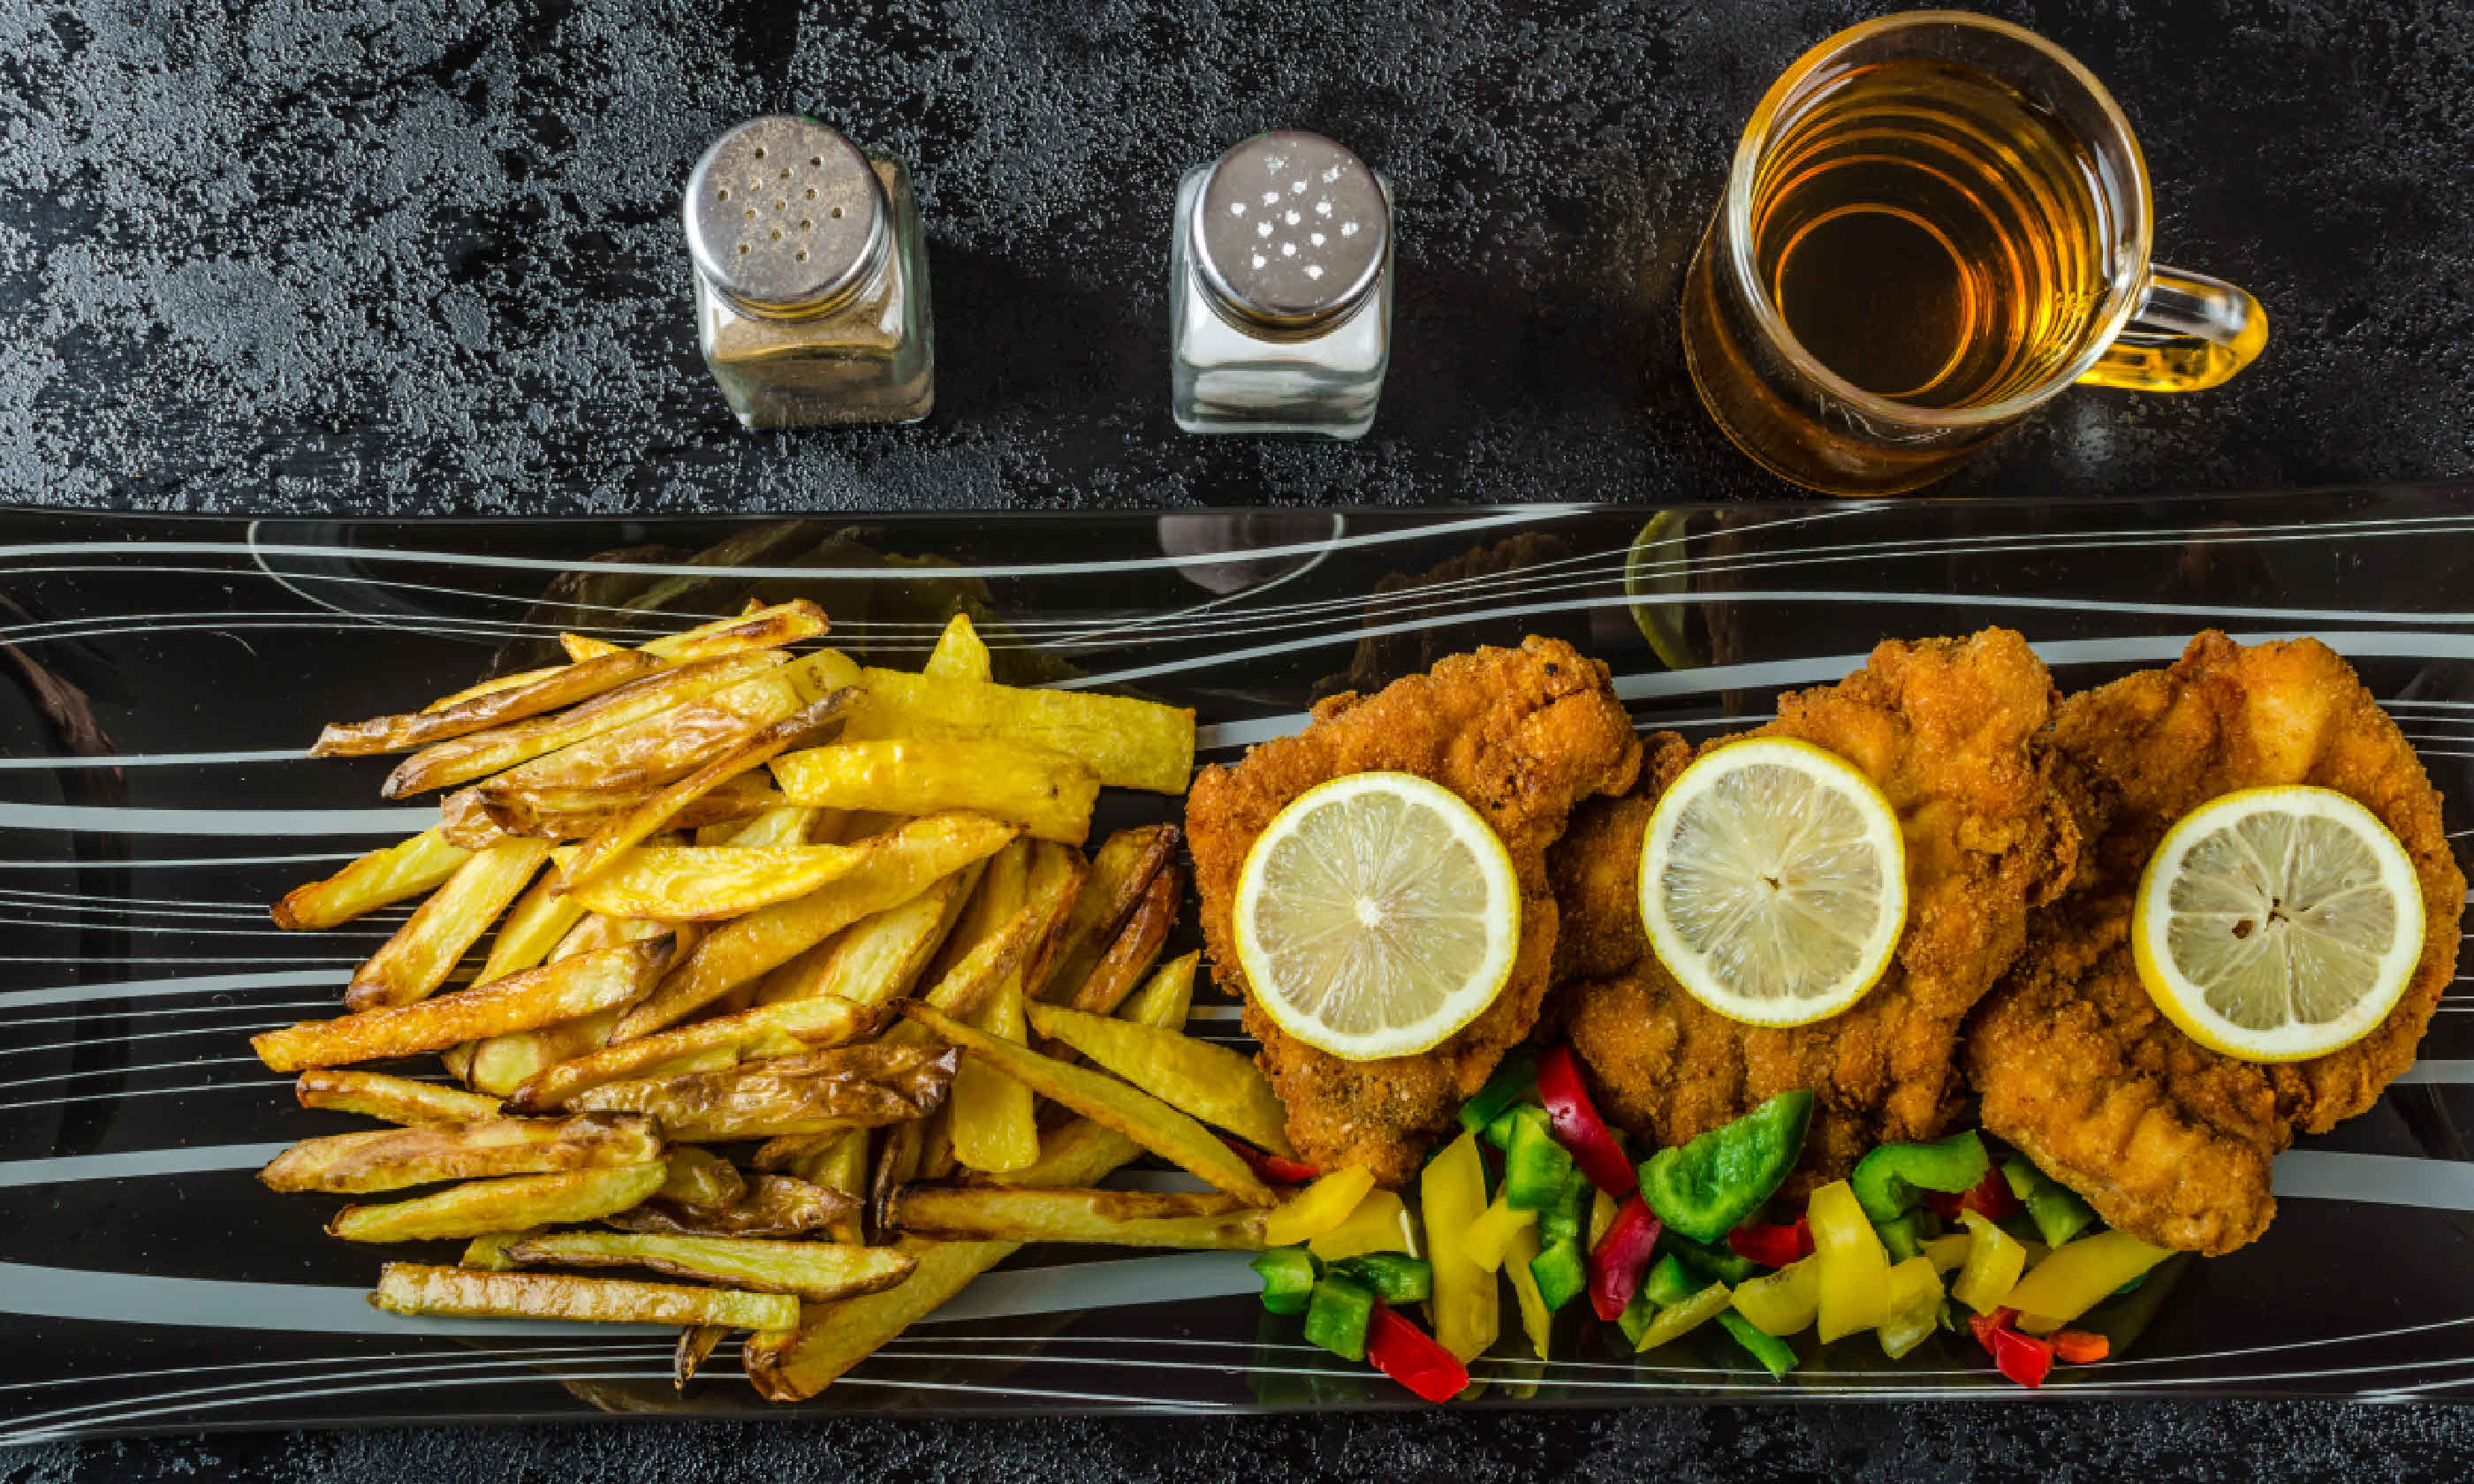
(166, 673)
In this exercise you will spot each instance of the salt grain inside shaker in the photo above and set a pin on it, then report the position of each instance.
(1280, 290)
(811, 277)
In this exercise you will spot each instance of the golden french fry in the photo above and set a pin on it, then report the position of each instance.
(709, 883)
(541, 996)
(1128, 743)
(562, 686)
(819, 1271)
(416, 1288)
(487, 1252)
(1137, 948)
(425, 951)
(877, 959)
(380, 878)
(463, 820)
(581, 647)
(462, 759)
(1214, 1083)
(766, 1031)
(898, 867)
(700, 1178)
(1046, 793)
(760, 628)
(1119, 1218)
(774, 1206)
(990, 1123)
(1168, 997)
(784, 824)
(502, 682)
(531, 928)
(395, 1099)
(696, 1345)
(426, 1153)
(501, 1064)
(959, 654)
(839, 1165)
(481, 1206)
(816, 1092)
(1120, 874)
(561, 812)
(599, 854)
(1128, 1110)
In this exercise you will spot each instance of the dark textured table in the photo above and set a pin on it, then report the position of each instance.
(423, 256)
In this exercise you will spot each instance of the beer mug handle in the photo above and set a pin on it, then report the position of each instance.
(2191, 332)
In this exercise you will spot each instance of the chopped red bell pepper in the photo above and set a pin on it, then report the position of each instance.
(1404, 1353)
(1579, 1129)
(1982, 1326)
(2022, 1358)
(2079, 1347)
(1621, 1257)
(1991, 1199)
(1269, 1169)
(1773, 1246)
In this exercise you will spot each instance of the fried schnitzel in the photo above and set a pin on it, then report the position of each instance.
(1522, 734)
(2168, 1140)
(1952, 733)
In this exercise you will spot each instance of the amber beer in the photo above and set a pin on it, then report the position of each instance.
(1936, 222)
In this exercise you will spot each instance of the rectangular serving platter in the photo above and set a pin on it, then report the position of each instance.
(166, 673)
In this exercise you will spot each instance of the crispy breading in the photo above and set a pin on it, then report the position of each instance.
(1950, 730)
(2167, 1139)
(1522, 735)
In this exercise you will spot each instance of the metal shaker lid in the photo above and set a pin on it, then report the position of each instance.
(1292, 230)
(785, 217)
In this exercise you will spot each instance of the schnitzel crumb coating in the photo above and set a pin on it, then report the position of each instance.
(1522, 735)
(1951, 730)
(2168, 1140)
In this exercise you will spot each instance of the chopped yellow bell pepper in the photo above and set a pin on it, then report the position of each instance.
(1382, 1223)
(1317, 1208)
(1602, 1215)
(1915, 1306)
(2077, 1277)
(1854, 1268)
(1537, 1320)
(1949, 1254)
(1489, 1236)
(1995, 1261)
(1783, 1301)
(1678, 1320)
(1452, 1193)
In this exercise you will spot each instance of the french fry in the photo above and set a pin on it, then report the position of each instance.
(499, 1065)
(423, 951)
(564, 812)
(1137, 948)
(774, 1206)
(541, 996)
(487, 1252)
(702, 1045)
(1128, 743)
(696, 1345)
(482, 1206)
(709, 883)
(816, 1092)
(840, 1165)
(502, 682)
(875, 960)
(1128, 1110)
(700, 1178)
(763, 627)
(581, 647)
(463, 820)
(378, 879)
(785, 824)
(531, 928)
(959, 654)
(1167, 999)
(588, 860)
(1120, 873)
(426, 1153)
(898, 867)
(1118, 1218)
(1214, 1083)
(818, 1271)
(991, 1125)
(415, 1288)
(395, 1099)
(562, 686)
(462, 759)
(1046, 793)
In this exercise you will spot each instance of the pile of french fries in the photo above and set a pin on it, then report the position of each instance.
(795, 973)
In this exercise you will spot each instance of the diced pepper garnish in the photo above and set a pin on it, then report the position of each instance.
(2078, 1276)
(1489, 1238)
(1314, 1211)
(1617, 1263)
(1579, 1128)
(1982, 1326)
(1513, 1077)
(1271, 1169)
(1289, 1276)
(1671, 1322)
(1995, 1261)
(2079, 1347)
(1773, 1246)
(1990, 1197)
(1902, 1235)
(1783, 1301)
(2023, 1358)
(1707, 1187)
(1854, 1270)
(1337, 1315)
(1394, 1278)
(1380, 1223)
(1712, 1262)
(1949, 1254)
(2057, 1212)
(1603, 1208)
(1567, 1218)
(1537, 1320)
(1915, 1306)
(1451, 1194)
(1536, 1167)
(1403, 1351)
(1888, 1181)
(1561, 1272)
(1667, 1283)
(1776, 1355)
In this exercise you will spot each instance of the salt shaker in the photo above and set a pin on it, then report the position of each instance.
(1280, 290)
(811, 277)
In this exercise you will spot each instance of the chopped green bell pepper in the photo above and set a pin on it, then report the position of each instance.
(1512, 1082)
(1776, 1355)
(1887, 1181)
(1708, 1262)
(1903, 1234)
(1705, 1187)
(1561, 1271)
(1668, 1283)
(1396, 1278)
(1536, 1169)
(1565, 1218)
(2057, 1212)
(1289, 1276)
(1337, 1317)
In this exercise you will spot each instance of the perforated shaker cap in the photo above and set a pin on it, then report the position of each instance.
(1291, 230)
(785, 217)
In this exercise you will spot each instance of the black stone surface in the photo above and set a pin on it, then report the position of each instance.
(422, 255)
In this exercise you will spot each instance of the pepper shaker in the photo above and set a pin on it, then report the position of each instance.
(1280, 290)
(811, 277)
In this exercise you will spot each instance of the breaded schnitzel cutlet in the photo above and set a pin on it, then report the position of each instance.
(1952, 733)
(2168, 1140)
(1522, 734)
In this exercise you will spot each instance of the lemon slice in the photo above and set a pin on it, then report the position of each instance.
(2277, 923)
(1658, 566)
(1377, 915)
(1774, 882)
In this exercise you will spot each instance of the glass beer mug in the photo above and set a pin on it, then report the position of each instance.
(1936, 222)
